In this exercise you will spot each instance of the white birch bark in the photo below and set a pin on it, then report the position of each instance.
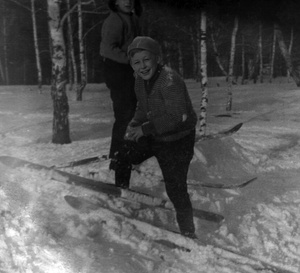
(61, 134)
(231, 64)
(36, 47)
(204, 98)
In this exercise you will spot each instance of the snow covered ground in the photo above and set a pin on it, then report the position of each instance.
(40, 232)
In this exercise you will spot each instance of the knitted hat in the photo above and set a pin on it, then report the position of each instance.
(146, 43)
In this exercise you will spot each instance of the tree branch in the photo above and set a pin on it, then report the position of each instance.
(19, 4)
(87, 32)
(66, 15)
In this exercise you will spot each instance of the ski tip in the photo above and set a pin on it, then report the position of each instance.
(72, 201)
(238, 126)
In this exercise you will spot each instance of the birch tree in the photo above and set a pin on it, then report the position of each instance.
(2, 72)
(71, 49)
(290, 49)
(36, 46)
(231, 64)
(4, 23)
(217, 55)
(61, 132)
(260, 52)
(287, 56)
(243, 59)
(204, 98)
(83, 80)
(199, 50)
(195, 55)
(273, 55)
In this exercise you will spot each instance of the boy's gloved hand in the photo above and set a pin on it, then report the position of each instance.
(134, 133)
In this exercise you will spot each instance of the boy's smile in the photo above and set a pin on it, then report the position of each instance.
(144, 63)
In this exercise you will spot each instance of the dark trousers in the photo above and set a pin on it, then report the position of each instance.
(174, 159)
(120, 80)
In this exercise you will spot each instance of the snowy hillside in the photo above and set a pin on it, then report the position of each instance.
(41, 232)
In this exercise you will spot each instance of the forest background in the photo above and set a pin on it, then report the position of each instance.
(56, 42)
(175, 24)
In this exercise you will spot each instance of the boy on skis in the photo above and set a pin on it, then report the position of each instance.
(163, 126)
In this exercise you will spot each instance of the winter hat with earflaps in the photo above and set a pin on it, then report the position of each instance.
(146, 43)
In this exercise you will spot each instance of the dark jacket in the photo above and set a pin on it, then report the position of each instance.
(118, 31)
(165, 111)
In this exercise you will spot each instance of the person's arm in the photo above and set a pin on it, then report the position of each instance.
(112, 36)
(175, 112)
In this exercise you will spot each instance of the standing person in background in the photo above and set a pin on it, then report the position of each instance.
(118, 31)
(163, 126)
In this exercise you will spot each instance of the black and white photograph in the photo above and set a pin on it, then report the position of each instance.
(149, 136)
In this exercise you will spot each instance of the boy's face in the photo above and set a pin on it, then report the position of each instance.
(125, 6)
(144, 63)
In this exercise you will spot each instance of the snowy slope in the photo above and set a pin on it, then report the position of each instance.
(42, 233)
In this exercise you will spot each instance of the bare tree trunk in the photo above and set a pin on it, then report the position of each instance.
(83, 80)
(273, 55)
(195, 56)
(198, 39)
(243, 60)
(287, 57)
(70, 68)
(260, 53)
(231, 64)
(2, 72)
(217, 55)
(180, 60)
(71, 47)
(61, 132)
(36, 47)
(4, 21)
(290, 50)
(204, 98)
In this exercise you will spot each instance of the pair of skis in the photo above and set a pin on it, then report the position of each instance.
(147, 202)
(82, 204)
(109, 189)
(221, 134)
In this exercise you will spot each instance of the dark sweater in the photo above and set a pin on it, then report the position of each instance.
(164, 107)
(118, 31)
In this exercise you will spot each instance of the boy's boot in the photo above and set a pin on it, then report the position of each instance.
(186, 223)
(122, 173)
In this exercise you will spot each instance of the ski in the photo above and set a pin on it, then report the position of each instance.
(130, 209)
(222, 185)
(82, 161)
(224, 133)
(87, 160)
(257, 263)
(105, 188)
(170, 237)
